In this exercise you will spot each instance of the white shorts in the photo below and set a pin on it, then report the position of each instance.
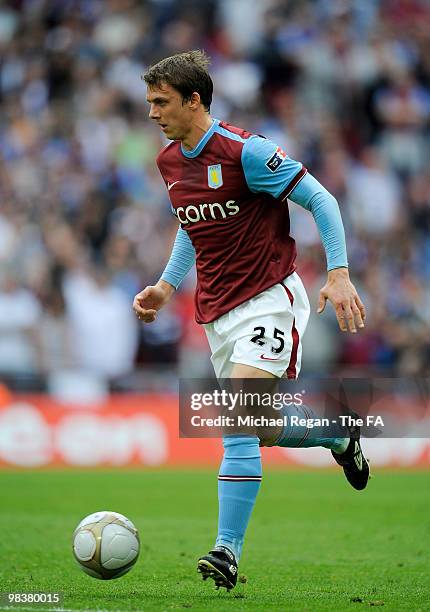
(265, 332)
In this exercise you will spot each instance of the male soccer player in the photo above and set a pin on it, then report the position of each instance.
(228, 189)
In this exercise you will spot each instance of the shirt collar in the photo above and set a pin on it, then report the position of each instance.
(203, 140)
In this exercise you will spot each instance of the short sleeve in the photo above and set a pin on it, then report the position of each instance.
(268, 168)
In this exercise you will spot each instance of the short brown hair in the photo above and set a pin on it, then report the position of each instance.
(186, 72)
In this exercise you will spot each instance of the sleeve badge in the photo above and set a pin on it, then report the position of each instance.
(276, 160)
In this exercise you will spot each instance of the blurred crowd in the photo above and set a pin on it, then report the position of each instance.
(85, 221)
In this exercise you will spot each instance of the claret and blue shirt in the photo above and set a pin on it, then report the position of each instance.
(230, 195)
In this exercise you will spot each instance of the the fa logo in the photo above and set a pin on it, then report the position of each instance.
(276, 160)
(215, 176)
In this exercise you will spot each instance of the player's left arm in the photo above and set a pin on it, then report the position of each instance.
(267, 168)
(339, 290)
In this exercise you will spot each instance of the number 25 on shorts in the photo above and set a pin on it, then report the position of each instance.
(260, 338)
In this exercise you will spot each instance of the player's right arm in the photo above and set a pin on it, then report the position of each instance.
(148, 302)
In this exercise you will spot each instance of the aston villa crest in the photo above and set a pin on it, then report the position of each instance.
(215, 176)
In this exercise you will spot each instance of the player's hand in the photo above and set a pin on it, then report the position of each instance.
(148, 302)
(350, 310)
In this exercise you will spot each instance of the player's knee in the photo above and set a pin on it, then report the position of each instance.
(263, 442)
(266, 440)
(269, 436)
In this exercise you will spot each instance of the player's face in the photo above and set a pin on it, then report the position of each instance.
(168, 109)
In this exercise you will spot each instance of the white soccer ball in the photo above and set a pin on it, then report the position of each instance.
(106, 545)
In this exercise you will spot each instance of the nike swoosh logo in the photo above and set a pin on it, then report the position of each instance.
(170, 185)
(269, 358)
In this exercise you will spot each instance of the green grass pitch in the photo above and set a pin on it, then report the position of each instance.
(313, 542)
